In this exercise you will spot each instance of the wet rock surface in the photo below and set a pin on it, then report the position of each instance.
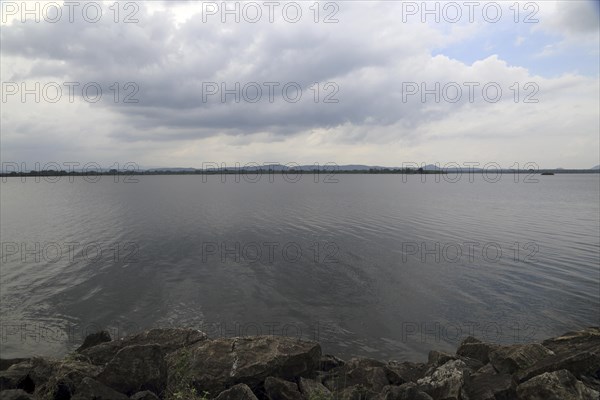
(179, 364)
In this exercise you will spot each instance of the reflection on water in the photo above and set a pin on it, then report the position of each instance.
(370, 265)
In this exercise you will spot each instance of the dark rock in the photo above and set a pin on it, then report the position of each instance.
(15, 394)
(490, 387)
(94, 339)
(487, 369)
(575, 342)
(446, 381)
(135, 368)
(368, 373)
(169, 340)
(92, 389)
(557, 385)
(237, 392)
(313, 389)
(329, 362)
(591, 382)
(145, 395)
(407, 391)
(511, 359)
(356, 392)
(279, 389)
(5, 363)
(580, 364)
(215, 365)
(469, 340)
(60, 379)
(438, 358)
(476, 349)
(17, 378)
(578, 352)
(27, 375)
(406, 371)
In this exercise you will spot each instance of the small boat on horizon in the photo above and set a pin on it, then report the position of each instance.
(547, 173)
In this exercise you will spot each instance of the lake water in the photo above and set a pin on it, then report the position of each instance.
(370, 265)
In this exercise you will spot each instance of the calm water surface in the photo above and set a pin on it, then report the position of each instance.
(370, 265)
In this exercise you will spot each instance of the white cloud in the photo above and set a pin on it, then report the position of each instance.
(369, 55)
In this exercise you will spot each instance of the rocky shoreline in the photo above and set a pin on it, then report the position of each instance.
(174, 364)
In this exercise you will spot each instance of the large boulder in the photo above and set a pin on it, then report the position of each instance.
(312, 389)
(144, 395)
(356, 392)
(557, 385)
(61, 379)
(515, 358)
(27, 375)
(215, 365)
(237, 392)
(575, 342)
(446, 381)
(482, 386)
(135, 368)
(92, 389)
(6, 363)
(279, 389)
(476, 349)
(584, 363)
(169, 339)
(407, 371)
(94, 339)
(407, 391)
(329, 362)
(370, 374)
(577, 352)
(15, 394)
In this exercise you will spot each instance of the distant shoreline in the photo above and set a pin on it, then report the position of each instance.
(51, 173)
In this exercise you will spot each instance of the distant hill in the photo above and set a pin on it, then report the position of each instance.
(596, 167)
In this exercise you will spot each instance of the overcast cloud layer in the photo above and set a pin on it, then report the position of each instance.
(366, 66)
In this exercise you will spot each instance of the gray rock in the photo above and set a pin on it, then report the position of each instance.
(407, 391)
(27, 375)
(483, 386)
(406, 371)
(237, 392)
(215, 365)
(169, 340)
(515, 358)
(94, 339)
(575, 342)
(15, 394)
(557, 385)
(144, 395)
(92, 389)
(591, 382)
(17, 378)
(60, 379)
(446, 381)
(437, 358)
(279, 389)
(311, 389)
(5, 363)
(476, 349)
(329, 362)
(356, 392)
(135, 368)
(368, 373)
(580, 364)
(487, 369)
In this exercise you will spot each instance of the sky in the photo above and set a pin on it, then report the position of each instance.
(184, 83)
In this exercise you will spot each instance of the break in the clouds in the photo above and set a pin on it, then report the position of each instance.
(347, 82)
